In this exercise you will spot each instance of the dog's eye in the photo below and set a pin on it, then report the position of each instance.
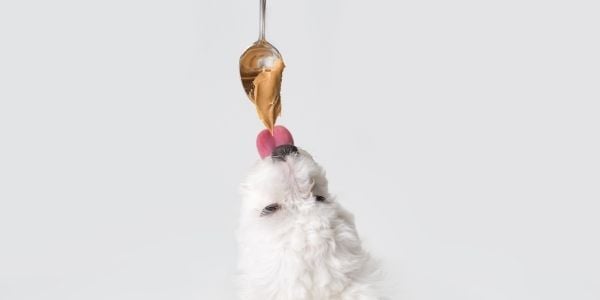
(320, 198)
(269, 209)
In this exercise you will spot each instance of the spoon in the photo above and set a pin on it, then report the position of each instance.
(261, 66)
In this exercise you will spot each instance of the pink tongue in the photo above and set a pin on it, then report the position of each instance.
(265, 142)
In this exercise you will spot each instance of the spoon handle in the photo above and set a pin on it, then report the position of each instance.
(263, 9)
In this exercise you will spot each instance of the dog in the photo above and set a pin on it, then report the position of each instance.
(296, 241)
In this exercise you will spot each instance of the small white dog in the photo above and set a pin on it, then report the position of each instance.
(296, 241)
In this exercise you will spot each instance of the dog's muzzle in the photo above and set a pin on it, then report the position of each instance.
(280, 152)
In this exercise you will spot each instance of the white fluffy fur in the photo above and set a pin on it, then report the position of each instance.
(305, 250)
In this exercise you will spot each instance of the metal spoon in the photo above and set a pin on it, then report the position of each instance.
(259, 57)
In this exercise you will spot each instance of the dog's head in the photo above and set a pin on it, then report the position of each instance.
(284, 187)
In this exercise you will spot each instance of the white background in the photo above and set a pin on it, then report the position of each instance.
(464, 135)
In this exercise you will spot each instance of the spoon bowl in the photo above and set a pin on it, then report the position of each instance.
(257, 58)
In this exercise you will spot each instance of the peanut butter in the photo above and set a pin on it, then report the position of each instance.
(266, 93)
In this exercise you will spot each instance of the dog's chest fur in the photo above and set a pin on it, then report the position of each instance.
(313, 258)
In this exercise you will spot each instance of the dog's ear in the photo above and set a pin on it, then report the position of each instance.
(267, 142)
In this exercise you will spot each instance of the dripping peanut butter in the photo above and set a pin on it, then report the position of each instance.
(266, 93)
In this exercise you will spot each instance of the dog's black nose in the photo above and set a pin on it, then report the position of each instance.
(282, 151)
